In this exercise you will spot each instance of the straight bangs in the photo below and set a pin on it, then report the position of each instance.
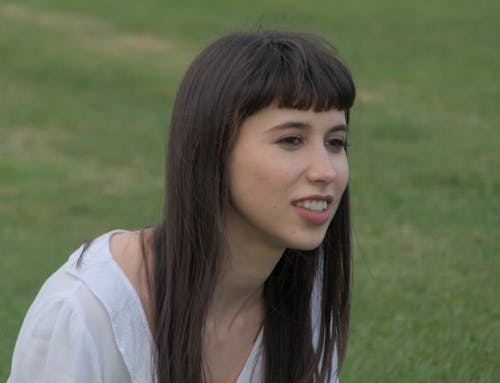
(294, 71)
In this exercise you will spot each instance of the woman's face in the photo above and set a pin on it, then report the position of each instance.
(287, 173)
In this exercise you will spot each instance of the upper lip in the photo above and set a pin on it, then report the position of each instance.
(316, 197)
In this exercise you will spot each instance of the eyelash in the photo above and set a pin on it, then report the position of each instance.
(338, 142)
(291, 140)
(294, 141)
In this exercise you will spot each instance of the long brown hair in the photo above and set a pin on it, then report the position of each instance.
(231, 79)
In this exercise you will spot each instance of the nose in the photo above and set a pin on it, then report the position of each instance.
(321, 166)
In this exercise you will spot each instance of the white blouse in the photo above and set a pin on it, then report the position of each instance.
(87, 325)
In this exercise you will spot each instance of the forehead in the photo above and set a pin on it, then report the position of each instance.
(274, 118)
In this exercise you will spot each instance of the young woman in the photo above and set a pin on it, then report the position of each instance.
(247, 277)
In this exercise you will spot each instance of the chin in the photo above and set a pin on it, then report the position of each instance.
(305, 245)
(308, 240)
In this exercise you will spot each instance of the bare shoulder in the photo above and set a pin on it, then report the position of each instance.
(127, 251)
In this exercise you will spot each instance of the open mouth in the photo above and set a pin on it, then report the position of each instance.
(313, 205)
(315, 209)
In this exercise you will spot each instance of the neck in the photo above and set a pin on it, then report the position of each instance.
(247, 264)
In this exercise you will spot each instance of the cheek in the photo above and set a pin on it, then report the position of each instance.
(258, 180)
(342, 175)
(253, 178)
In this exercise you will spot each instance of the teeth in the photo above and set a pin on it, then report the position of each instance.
(313, 205)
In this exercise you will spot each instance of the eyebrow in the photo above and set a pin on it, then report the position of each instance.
(305, 125)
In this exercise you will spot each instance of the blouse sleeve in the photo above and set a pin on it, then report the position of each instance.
(55, 346)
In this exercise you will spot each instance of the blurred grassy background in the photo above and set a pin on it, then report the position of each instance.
(86, 89)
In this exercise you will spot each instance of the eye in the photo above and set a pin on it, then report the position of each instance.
(337, 144)
(291, 141)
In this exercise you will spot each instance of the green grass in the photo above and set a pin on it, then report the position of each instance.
(86, 89)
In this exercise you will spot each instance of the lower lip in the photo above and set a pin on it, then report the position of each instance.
(315, 217)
